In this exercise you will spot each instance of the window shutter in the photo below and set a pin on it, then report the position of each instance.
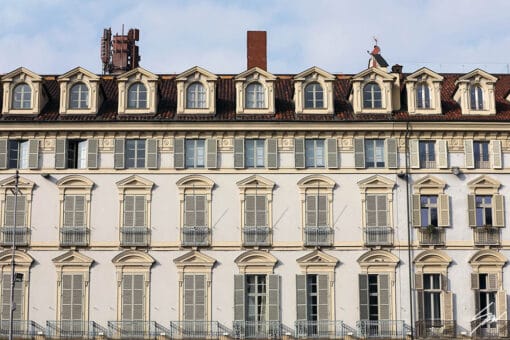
(301, 306)
(332, 152)
(179, 153)
(188, 303)
(311, 211)
(66, 297)
(416, 210)
(119, 154)
(472, 210)
(239, 298)
(468, 154)
(212, 153)
(69, 210)
(200, 211)
(363, 296)
(138, 297)
(273, 298)
(418, 281)
(6, 295)
(493, 281)
(249, 211)
(92, 153)
(443, 210)
(152, 153)
(391, 153)
(79, 211)
(501, 310)
(496, 159)
(442, 154)
(61, 153)
(444, 281)
(127, 297)
(322, 211)
(498, 211)
(382, 211)
(448, 305)
(272, 153)
(140, 205)
(239, 153)
(475, 281)
(3, 153)
(323, 297)
(418, 285)
(261, 211)
(129, 210)
(77, 297)
(299, 153)
(200, 304)
(384, 296)
(33, 154)
(20, 211)
(371, 212)
(359, 153)
(414, 153)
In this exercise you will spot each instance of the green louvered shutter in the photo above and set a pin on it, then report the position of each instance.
(472, 210)
(272, 153)
(468, 154)
(152, 153)
(363, 296)
(239, 153)
(359, 153)
(299, 153)
(212, 153)
(301, 296)
(179, 154)
(443, 210)
(3, 153)
(384, 296)
(239, 298)
(33, 154)
(61, 153)
(323, 297)
(416, 210)
(391, 153)
(119, 157)
(332, 153)
(498, 211)
(92, 153)
(273, 297)
(414, 153)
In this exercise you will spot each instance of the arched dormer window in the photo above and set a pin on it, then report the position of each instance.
(195, 96)
(137, 96)
(255, 96)
(314, 96)
(422, 96)
(476, 97)
(372, 96)
(22, 97)
(79, 98)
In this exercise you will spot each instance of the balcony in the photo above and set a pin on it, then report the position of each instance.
(326, 329)
(195, 236)
(318, 236)
(136, 330)
(486, 236)
(197, 330)
(134, 237)
(393, 329)
(21, 329)
(74, 236)
(378, 236)
(256, 236)
(432, 236)
(257, 329)
(21, 236)
(66, 329)
(436, 328)
(481, 329)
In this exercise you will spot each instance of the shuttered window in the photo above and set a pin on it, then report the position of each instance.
(135, 153)
(195, 153)
(312, 297)
(6, 298)
(20, 215)
(195, 211)
(374, 153)
(19, 154)
(376, 211)
(72, 297)
(374, 297)
(133, 297)
(431, 210)
(255, 211)
(73, 154)
(134, 211)
(74, 211)
(254, 153)
(316, 211)
(194, 297)
(314, 153)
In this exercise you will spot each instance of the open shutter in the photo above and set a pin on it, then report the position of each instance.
(384, 296)
(152, 153)
(92, 153)
(493, 283)
(448, 305)
(212, 153)
(272, 153)
(33, 154)
(468, 154)
(118, 157)
(299, 153)
(501, 308)
(301, 296)
(442, 154)
(179, 153)
(414, 153)
(3, 153)
(496, 160)
(323, 297)
(273, 298)
(416, 210)
(418, 285)
(363, 296)
(472, 210)
(61, 153)
(475, 281)
(359, 153)
(239, 153)
(127, 297)
(239, 298)
(498, 211)
(443, 210)
(391, 153)
(332, 153)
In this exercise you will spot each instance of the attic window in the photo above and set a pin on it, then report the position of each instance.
(423, 96)
(22, 97)
(314, 96)
(195, 96)
(476, 97)
(137, 96)
(372, 96)
(255, 96)
(79, 98)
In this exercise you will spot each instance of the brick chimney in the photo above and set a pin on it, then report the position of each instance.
(257, 49)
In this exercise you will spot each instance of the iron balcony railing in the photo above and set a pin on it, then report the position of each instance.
(20, 236)
(479, 164)
(195, 236)
(432, 236)
(486, 236)
(378, 236)
(318, 236)
(134, 236)
(137, 330)
(257, 329)
(21, 329)
(483, 328)
(65, 329)
(256, 236)
(197, 330)
(74, 236)
(436, 328)
(327, 329)
(380, 329)
(426, 164)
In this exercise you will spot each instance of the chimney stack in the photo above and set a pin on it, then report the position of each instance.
(257, 49)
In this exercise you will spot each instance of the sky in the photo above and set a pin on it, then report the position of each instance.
(55, 36)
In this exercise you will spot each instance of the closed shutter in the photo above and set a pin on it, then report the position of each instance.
(416, 210)
(20, 211)
(194, 297)
(212, 153)
(273, 298)
(468, 154)
(200, 211)
(133, 297)
(371, 211)
(382, 211)
(129, 211)
(72, 297)
(323, 297)
(363, 296)
(239, 153)
(359, 153)
(179, 154)
(61, 153)
(501, 307)
(418, 285)
(384, 296)
(249, 211)
(299, 153)
(498, 211)
(3, 153)
(443, 210)
(496, 160)
(152, 153)
(414, 153)
(493, 281)
(139, 210)
(472, 210)
(442, 154)
(33, 154)
(448, 305)
(301, 306)
(311, 211)
(272, 153)
(118, 157)
(239, 298)
(391, 153)
(260, 211)
(74, 211)
(6, 298)
(92, 154)
(332, 153)
(322, 211)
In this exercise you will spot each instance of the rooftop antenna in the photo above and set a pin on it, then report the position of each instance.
(120, 52)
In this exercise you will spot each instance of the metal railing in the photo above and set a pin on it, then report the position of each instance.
(21, 236)
(74, 236)
(136, 330)
(328, 329)
(195, 236)
(21, 329)
(481, 329)
(318, 236)
(256, 329)
(432, 236)
(197, 329)
(380, 329)
(486, 236)
(426, 164)
(256, 236)
(482, 164)
(134, 236)
(378, 236)
(436, 328)
(74, 329)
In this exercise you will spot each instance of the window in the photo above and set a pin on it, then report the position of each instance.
(196, 96)
(72, 303)
(476, 97)
(256, 299)
(22, 97)
(312, 305)
(21, 288)
(74, 211)
(376, 211)
(432, 296)
(134, 211)
(19, 297)
(374, 153)
(374, 297)
(137, 96)
(428, 210)
(314, 153)
(427, 154)
(79, 98)
(422, 96)
(314, 96)
(481, 154)
(255, 96)
(76, 154)
(254, 153)
(316, 210)
(195, 153)
(194, 302)
(132, 297)
(15, 220)
(136, 153)
(18, 154)
(485, 205)
(372, 96)
(483, 210)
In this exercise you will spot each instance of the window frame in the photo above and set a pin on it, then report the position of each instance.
(134, 92)
(22, 100)
(193, 93)
(372, 160)
(423, 100)
(255, 96)
(369, 96)
(83, 91)
(486, 186)
(476, 97)
(23, 265)
(314, 102)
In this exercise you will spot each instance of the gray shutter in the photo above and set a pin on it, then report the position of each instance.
(311, 211)
(66, 297)
(443, 210)
(493, 281)
(127, 297)
(9, 211)
(501, 310)
(359, 154)
(200, 211)
(497, 162)
(498, 211)
(92, 153)
(442, 154)
(3, 153)
(382, 211)
(188, 303)
(323, 297)
(301, 296)
(138, 297)
(212, 153)
(322, 211)
(61, 153)
(418, 285)
(140, 211)
(475, 281)
(272, 153)
(118, 162)
(273, 298)
(179, 154)
(152, 153)
(69, 210)
(332, 153)
(129, 211)
(200, 297)
(416, 210)
(414, 152)
(371, 212)
(363, 296)
(20, 211)
(79, 211)
(239, 298)
(6, 294)
(249, 210)
(194, 297)
(468, 154)
(391, 153)
(472, 210)
(418, 281)
(239, 153)
(448, 305)
(384, 296)
(33, 154)
(299, 153)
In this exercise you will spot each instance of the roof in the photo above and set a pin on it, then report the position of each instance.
(380, 60)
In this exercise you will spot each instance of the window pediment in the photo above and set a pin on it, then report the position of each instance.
(256, 181)
(476, 93)
(424, 102)
(313, 181)
(376, 182)
(194, 259)
(325, 81)
(145, 98)
(486, 258)
(203, 77)
(432, 258)
(32, 102)
(378, 259)
(384, 100)
(484, 185)
(256, 261)
(73, 258)
(263, 102)
(429, 185)
(134, 182)
(76, 76)
(317, 258)
(20, 258)
(196, 181)
(75, 181)
(134, 258)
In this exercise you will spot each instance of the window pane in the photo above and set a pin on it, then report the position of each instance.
(255, 96)
(137, 96)
(22, 97)
(195, 97)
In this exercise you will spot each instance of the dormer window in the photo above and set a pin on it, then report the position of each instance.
(137, 96)
(255, 96)
(23, 92)
(196, 92)
(195, 96)
(423, 89)
(475, 93)
(80, 92)
(314, 96)
(372, 96)
(476, 97)
(255, 92)
(79, 98)
(22, 97)
(138, 92)
(422, 96)
(313, 92)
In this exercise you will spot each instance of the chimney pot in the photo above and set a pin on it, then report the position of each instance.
(396, 68)
(257, 49)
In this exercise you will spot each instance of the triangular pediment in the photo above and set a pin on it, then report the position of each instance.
(196, 181)
(20, 258)
(484, 182)
(372, 72)
(429, 182)
(194, 258)
(255, 72)
(78, 72)
(133, 258)
(138, 72)
(22, 182)
(315, 181)
(23, 72)
(433, 257)
(256, 181)
(73, 257)
(194, 71)
(317, 257)
(424, 74)
(135, 181)
(376, 181)
(476, 75)
(75, 181)
(312, 72)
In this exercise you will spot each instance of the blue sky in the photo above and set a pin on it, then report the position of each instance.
(54, 36)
